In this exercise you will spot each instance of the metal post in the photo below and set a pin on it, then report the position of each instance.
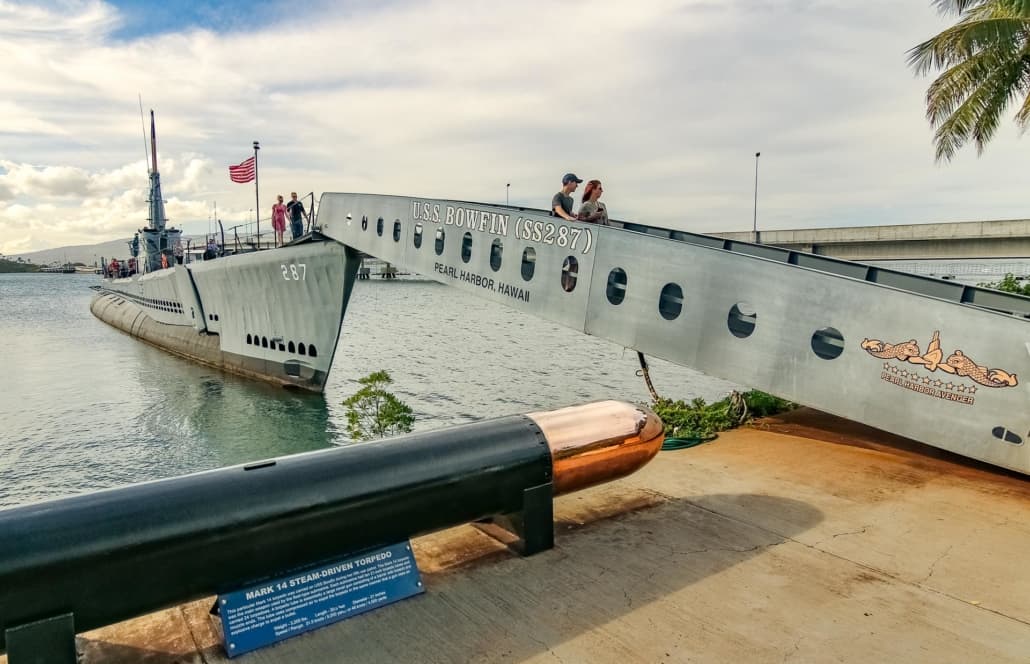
(754, 224)
(257, 198)
(507, 188)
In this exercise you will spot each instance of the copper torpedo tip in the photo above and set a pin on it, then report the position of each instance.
(598, 442)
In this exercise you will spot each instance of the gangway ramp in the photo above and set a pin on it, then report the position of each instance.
(932, 360)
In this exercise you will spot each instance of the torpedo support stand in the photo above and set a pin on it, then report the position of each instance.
(50, 640)
(530, 530)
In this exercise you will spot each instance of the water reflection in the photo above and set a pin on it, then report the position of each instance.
(84, 406)
(218, 420)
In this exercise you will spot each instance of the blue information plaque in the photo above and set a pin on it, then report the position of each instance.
(309, 598)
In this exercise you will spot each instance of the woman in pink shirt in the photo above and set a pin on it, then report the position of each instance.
(279, 221)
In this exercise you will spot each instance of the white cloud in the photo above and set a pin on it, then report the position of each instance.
(666, 101)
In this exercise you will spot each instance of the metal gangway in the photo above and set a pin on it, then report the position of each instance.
(937, 361)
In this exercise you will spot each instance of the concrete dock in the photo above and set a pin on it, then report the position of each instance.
(804, 538)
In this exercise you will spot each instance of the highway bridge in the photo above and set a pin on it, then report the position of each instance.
(959, 240)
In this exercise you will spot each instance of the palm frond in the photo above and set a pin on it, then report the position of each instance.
(967, 37)
(1023, 115)
(955, 6)
(959, 7)
(952, 87)
(977, 117)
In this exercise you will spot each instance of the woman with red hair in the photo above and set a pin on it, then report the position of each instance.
(592, 209)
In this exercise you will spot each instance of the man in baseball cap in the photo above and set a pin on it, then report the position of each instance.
(561, 204)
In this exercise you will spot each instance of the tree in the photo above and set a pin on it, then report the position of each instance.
(372, 412)
(1009, 284)
(986, 61)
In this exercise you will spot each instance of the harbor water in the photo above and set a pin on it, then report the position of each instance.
(84, 406)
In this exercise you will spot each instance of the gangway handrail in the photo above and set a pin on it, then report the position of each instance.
(983, 298)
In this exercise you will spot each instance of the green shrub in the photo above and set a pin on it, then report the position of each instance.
(703, 420)
(372, 412)
(1009, 285)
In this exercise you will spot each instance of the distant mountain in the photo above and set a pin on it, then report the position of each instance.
(85, 253)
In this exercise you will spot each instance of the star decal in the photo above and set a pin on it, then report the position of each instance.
(950, 386)
(961, 388)
(886, 365)
(972, 390)
(937, 383)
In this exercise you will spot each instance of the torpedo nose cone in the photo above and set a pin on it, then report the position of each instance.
(598, 442)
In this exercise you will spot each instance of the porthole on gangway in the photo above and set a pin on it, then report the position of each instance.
(496, 250)
(440, 236)
(616, 290)
(528, 263)
(828, 343)
(418, 236)
(397, 230)
(670, 302)
(466, 247)
(379, 227)
(569, 274)
(364, 222)
(741, 320)
(1001, 433)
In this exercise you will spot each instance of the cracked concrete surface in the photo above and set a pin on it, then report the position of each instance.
(803, 539)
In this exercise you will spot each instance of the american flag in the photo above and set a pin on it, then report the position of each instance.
(243, 172)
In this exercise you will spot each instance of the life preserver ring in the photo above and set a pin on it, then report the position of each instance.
(164, 260)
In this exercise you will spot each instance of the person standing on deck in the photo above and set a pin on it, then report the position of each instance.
(279, 220)
(297, 211)
(592, 209)
(561, 203)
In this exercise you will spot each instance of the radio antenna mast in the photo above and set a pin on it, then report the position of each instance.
(143, 125)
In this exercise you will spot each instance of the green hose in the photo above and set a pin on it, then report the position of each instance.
(686, 443)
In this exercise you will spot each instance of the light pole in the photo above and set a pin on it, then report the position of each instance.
(507, 188)
(257, 199)
(754, 222)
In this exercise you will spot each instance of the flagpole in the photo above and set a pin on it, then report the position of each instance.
(257, 198)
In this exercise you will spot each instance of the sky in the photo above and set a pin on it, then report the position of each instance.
(665, 101)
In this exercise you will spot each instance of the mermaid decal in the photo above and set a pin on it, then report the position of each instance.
(933, 359)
